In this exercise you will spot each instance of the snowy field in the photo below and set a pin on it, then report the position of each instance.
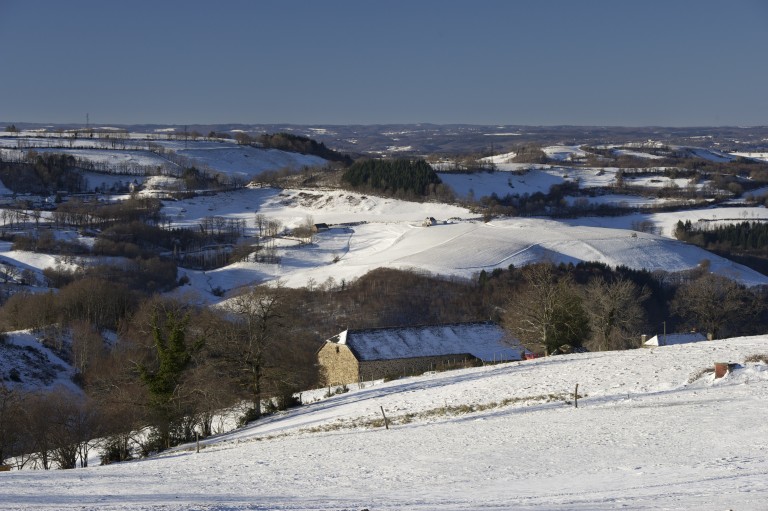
(226, 157)
(240, 160)
(459, 245)
(502, 183)
(754, 155)
(651, 431)
(521, 179)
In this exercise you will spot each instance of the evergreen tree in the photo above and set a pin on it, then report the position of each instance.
(173, 357)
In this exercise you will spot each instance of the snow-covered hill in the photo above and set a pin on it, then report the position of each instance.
(389, 233)
(370, 232)
(651, 431)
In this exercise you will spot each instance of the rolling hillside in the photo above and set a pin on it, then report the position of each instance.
(499, 437)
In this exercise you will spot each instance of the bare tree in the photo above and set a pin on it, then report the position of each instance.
(258, 312)
(714, 302)
(10, 428)
(547, 312)
(9, 272)
(87, 345)
(305, 230)
(615, 313)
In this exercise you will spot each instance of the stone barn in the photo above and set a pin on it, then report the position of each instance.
(359, 355)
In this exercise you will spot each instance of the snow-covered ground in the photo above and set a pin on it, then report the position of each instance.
(665, 223)
(636, 154)
(229, 158)
(502, 183)
(651, 431)
(240, 160)
(370, 232)
(755, 155)
(32, 365)
(564, 152)
(391, 235)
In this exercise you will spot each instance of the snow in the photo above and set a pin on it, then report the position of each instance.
(118, 160)
(33, 261)
(621, 200)
(637, 154)
(499, 159)
(37, 366)
(671, 339)
(660, 182)
(711, 155)
(486, 341)
(665, 223)
(642, 437)
(464, 248)
(651, 431)
(226, 157)
(564, 152)
(502, 183)
(240, 160)
(754, 155)
(368, 232)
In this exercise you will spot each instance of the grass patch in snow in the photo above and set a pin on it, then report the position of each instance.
(439, 412)
(763, 358)
(700, 374)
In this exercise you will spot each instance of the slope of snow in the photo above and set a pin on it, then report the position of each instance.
(636, 154)
(711, 154)
(564, 152)
(620, 200)
(642, 437)
(464, 248)
(239, 160)
(292, 207)
(502, 183)
(665, 223)
(26, 363)
(388, 233)
(755, 155)
(118, 160)
(369, 232)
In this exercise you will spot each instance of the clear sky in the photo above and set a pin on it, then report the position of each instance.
(538, 62)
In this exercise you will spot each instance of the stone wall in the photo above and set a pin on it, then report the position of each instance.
(377, 369)
(337, 364)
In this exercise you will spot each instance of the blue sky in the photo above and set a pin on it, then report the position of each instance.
(542, 62)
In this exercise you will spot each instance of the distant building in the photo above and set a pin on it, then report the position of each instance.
(671, 339)
(319, 227)
(357, 355)
(428, 222)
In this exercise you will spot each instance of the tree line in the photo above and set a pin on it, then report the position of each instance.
(744, 242)
(399, 177)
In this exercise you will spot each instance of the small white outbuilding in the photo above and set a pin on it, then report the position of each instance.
(672, 339)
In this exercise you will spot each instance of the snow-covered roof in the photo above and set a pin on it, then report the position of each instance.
(670, 339)
(486, 341)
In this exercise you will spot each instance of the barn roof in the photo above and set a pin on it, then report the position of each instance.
(670, 339)
(486, 341)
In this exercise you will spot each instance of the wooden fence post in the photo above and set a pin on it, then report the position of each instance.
(576, 397)
(386, 422)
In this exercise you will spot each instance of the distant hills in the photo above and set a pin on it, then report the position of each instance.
(420, 139)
